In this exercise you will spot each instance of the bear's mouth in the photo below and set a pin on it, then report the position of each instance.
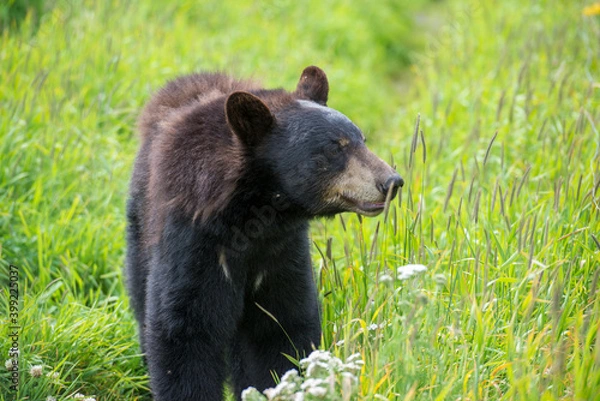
(364, 208)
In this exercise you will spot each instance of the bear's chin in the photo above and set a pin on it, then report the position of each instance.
(364, 208)
(371, 213)
(368, 209)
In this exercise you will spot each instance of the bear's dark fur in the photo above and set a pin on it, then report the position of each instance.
(218, 260)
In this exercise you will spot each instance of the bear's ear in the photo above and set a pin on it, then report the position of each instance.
(248, 117)
(313, 85)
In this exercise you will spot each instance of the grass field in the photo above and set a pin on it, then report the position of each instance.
(493, 120)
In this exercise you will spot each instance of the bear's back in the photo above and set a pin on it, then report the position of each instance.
(194, 89)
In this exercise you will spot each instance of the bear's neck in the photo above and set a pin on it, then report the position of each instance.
(259, 212)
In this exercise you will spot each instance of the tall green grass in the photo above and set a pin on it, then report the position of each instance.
(494, 128)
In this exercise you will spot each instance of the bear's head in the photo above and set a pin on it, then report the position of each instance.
(316, 154)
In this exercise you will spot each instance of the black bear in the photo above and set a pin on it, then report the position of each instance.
(218, 259)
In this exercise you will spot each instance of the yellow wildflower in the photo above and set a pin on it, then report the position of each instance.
(593, 9)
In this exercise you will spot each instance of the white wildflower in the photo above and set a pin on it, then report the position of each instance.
(8, 364)
(315, 387)
(286, 387)
(308, 383)
(89, 399)
(354, 365)
(50, 398)
(248, 392)
(317, 356)
(53, 375)
(252, 394)
(340, 343)
(36, 371)
(270, 393)
(385, 278)
(440, 279)
(324, 375)
(319, 361)
(289, 376)
(407, 271)
(318, 392)
(79, 396)
(348, 375)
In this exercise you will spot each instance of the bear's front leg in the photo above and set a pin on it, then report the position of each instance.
(286, 292)
(185, 368)
(192, 310)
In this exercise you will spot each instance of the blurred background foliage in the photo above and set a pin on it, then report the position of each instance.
(12, 12)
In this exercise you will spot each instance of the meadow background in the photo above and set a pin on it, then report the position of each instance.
(490, 111)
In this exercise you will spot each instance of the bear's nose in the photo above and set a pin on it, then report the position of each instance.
(394, 182)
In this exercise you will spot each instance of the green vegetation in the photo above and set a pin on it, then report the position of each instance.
(501, 201)
(12, 12)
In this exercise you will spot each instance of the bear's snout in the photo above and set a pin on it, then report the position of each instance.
(366, 184)
(391, 184)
